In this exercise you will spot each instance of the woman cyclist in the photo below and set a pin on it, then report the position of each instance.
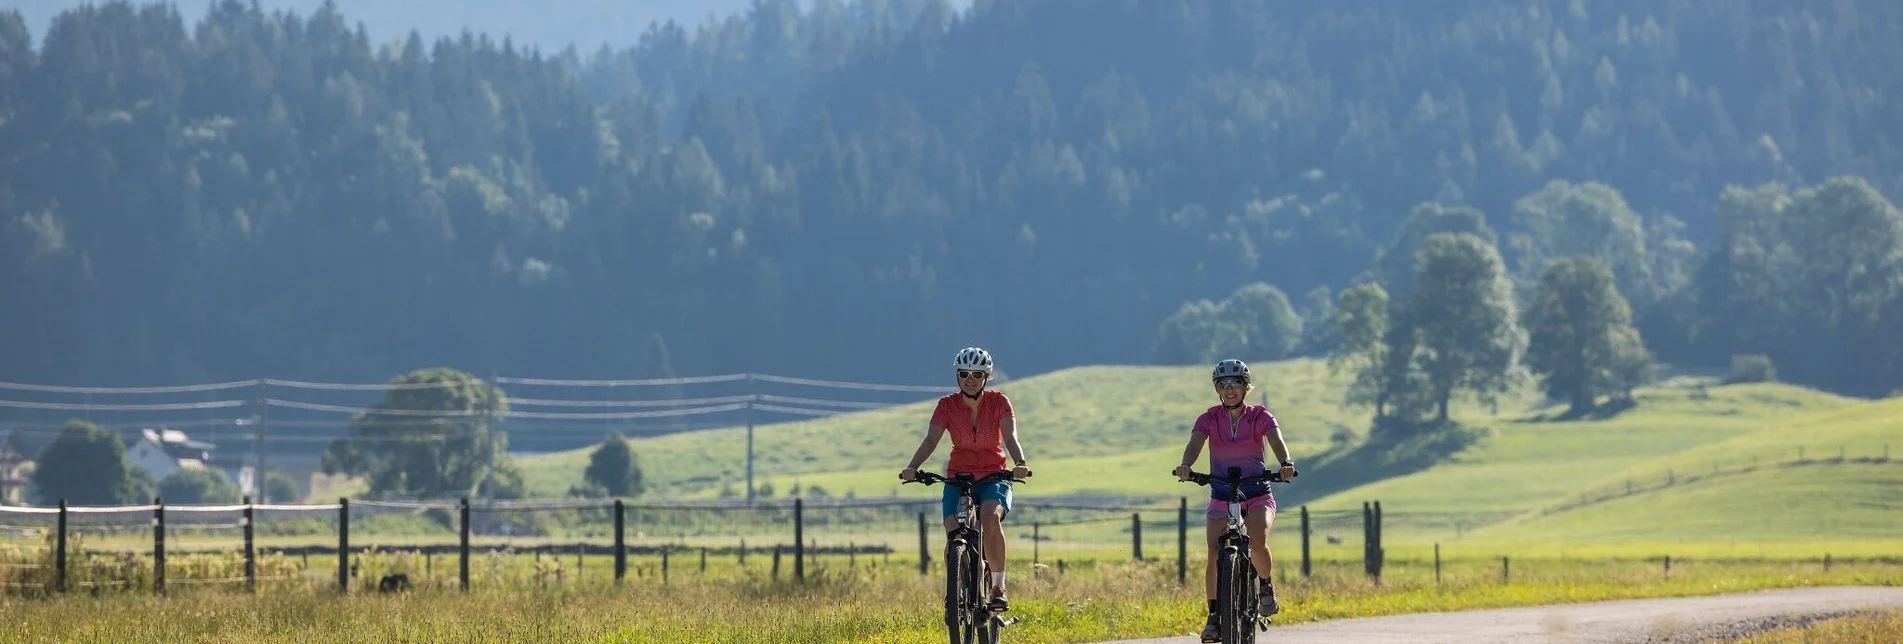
(983, 427)
(1238, 434)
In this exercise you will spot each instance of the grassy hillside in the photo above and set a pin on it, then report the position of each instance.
(1752, 487)
(1525, 463)
(1114, 412)
(1846, 501)
(1528, 477)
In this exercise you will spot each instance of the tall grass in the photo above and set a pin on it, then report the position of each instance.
(1090, 602)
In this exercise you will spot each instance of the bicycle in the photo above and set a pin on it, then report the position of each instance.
(968, 615)
(1235, 590)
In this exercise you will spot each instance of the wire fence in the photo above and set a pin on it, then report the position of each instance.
(356, 546)
(359, 545)
(1728, 467)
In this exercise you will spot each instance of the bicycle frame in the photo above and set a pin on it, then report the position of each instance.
(966, 605)
(1236, 596)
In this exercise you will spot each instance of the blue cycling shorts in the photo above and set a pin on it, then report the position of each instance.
(997, 490)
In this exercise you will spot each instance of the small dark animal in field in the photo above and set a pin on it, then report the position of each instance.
(1334, 540)
(393, 583)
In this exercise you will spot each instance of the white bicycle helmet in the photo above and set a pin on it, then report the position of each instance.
(1231, 368)
(972, 359)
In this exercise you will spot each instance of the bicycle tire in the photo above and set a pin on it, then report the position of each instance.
(1228, 604)
(982, 619)
(1246, 590)
(954, 590)
(973, 594)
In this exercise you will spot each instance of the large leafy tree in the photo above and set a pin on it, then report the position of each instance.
(1580, 337)
(1197, 333)
(1590, 219)
(86, 465)
(1256, 322)
(1396, 266)
(1462, 310)
(1361, 324)
(434, 434)
(1270, 328)
(1811, 279)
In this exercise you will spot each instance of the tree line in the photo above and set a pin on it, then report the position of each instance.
(1811, 280)
(853, 189)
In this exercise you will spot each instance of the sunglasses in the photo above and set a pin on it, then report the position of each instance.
(1231, 383)
(974, 375)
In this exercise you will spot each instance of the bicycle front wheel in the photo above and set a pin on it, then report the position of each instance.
(955, 614)
(1228, 597)
(1246, 608)
(975, 594)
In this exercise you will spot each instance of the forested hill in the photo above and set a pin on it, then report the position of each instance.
(858, 189)
(586, 24)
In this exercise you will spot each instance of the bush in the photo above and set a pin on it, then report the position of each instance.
(198, 486)
(614, 468)
(1751, 368)
(589, 490)
(279, 487)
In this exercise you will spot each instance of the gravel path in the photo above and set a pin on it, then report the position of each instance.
(1679, 620)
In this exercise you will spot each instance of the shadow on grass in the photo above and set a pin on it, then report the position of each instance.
(1393, 448)
(1611, 409)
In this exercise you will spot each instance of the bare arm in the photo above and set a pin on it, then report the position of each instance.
(1009, 426)
(1190, 454)
(1276, 444)
(927, 446)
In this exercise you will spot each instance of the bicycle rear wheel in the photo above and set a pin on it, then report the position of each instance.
(983, 621)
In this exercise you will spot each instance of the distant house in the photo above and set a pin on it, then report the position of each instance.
(13, 460)
(164, 451)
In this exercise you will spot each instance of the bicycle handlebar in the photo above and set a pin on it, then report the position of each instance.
(929, 478)
(1234, 478)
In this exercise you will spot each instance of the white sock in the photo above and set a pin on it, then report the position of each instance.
(997, 579)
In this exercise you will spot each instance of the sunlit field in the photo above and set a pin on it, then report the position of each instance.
(1096, 596)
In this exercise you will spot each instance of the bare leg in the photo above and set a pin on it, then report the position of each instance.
(1257, 521)
(1214, 531)
(993, 519)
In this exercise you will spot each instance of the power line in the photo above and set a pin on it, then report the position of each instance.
(16, 386)
(549, 382)
(216, 404)
(650, 382)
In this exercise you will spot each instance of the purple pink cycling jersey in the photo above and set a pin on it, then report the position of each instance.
(1240, 442)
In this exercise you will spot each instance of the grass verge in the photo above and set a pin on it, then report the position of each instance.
(1108, 601)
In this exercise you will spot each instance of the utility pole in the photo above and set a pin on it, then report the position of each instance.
(489, 478)
(749, 410)
(257, 478)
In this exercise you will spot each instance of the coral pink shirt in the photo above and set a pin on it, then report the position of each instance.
(977, 448)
